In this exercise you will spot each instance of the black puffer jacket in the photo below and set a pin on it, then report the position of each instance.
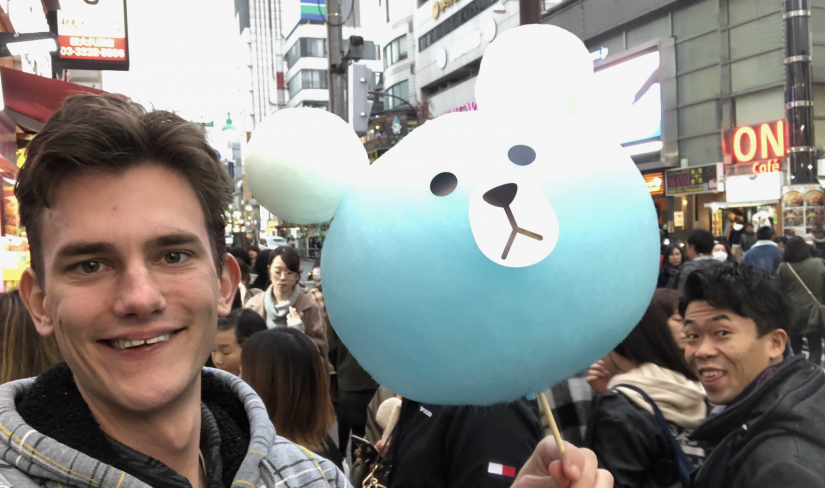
(773, 437)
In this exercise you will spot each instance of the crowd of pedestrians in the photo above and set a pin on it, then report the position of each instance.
(718, 385)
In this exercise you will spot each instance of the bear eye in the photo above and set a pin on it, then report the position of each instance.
(443, 184)
(521, 155)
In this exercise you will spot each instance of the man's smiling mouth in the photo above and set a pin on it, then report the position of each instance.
(121, 344)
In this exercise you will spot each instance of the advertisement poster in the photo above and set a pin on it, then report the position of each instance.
(717, 222)
(803, 207)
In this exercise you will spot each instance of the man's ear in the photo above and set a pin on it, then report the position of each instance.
(34, 297)
(778, 343)
(229, 279)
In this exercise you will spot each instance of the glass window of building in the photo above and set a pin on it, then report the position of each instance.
(307, 79)
(306, 47)
(395, 51)
(399, 90)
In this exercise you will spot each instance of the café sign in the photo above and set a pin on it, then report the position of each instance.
(752, 143)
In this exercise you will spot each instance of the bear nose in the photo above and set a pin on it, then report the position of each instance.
(501, 196)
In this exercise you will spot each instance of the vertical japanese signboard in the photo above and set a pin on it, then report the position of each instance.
(92, 35)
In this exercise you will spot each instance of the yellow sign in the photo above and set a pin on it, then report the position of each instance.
(441, 6)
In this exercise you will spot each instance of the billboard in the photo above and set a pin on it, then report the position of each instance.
(92, 35)
(633, 94)
(313, 10)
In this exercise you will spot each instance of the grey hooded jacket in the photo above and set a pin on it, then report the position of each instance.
(31, 459)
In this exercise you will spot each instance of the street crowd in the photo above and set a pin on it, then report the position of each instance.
(719, 384)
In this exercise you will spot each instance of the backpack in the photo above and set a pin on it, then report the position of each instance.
(683, 463)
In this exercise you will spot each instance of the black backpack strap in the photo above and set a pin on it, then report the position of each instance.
(684, 464)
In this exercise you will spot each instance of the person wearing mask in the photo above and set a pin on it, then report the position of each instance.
(25, 353)
(459, 446)
(815, 252)
(124, 211)
(261, 269)
(734, 235)
(669, 273)
(748, 238)
(768, 428)
(723, 253)
(699, 249)
(802, 280)
(764, 254)
(233, 331)
(283, 366)
(668, 302)
(648, 379)
(284, 304)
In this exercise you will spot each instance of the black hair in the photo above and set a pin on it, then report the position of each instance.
(764, 233)
(796, 250)
(667, 252)
(246, 322)
(289, 256)
(783, 240)
(749, 224)
(701, 240)
(651, 341)
(241, 255)
(747, 291)
(255, 248)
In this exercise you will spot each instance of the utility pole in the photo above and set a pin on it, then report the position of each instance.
(337, 67)
(799, 99)
(529, 12)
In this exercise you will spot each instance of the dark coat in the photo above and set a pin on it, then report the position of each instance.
(773, 437)
(452, 447)
(689, 267)
(806, 317)
(630, 444)
(351, 376)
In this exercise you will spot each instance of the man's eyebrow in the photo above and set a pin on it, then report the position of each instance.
(720, 317)
(74, 249)
(174, 239)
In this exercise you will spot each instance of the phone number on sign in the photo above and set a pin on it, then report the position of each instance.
(92, 52)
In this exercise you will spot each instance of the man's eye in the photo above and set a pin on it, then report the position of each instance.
(174, 258)
(90, 267)
(722, 333)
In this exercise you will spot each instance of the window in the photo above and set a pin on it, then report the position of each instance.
(314, 104)
(395, 51)
(453, 22)
(307, 79)
(306, 47)
(400, 90)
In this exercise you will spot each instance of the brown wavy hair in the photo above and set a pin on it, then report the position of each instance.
(25, 352)
(284, 367)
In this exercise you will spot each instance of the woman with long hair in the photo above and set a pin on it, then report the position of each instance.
(672, 258)
(284, 303)
(648, 393)
(283, 366)
(667, 301)
(25, 352)
(802, 279)
(261, 268)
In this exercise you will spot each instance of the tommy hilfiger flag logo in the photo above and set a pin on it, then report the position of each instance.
(501, 470)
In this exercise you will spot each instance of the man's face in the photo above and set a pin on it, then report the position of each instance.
(127, 262)
(725, 352)
(748, 229)
(690, 251)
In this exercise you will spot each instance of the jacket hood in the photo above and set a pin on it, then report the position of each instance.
(32, 454)
(681, 400)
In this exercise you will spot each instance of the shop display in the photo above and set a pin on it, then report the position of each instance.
(803, 208)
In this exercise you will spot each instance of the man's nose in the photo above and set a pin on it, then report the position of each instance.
(706, 349)
(138, 293)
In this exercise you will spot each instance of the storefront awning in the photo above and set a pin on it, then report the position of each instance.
(740, 204)
(30, 99)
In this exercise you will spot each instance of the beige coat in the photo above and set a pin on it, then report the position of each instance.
(311, 316)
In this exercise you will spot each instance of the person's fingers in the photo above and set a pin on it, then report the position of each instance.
(574, 462)
(556, 470)
(531, 481)
(603, 479)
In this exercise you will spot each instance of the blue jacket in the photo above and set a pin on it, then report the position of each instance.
(762, 255)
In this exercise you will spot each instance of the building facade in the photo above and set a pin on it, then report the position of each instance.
(722, 83)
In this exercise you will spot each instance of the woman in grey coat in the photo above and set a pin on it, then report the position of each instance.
(806, 320)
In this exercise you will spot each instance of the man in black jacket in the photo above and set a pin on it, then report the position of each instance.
(768, 429)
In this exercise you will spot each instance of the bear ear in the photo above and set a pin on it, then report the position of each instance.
(547, 66)
(300, 162)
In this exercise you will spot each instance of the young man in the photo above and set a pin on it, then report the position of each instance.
(699, 251)
(748, 239)
(124, 211)
(771, 428)
(765, 254)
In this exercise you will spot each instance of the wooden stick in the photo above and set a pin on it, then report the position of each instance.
(545, 405)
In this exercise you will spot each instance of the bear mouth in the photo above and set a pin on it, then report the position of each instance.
(502, 196)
